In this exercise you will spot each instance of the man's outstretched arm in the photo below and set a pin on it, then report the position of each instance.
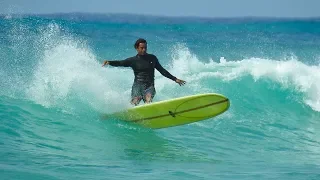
(123, 63)
(165, 73)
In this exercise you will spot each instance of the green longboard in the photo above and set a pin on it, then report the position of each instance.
(174, 112)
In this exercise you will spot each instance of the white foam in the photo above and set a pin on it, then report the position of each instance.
(290, 73)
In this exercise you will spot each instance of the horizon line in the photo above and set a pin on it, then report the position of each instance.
(161, 16)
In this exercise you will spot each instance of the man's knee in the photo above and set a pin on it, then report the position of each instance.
(136, 100)
(149, 93)
(148, 98)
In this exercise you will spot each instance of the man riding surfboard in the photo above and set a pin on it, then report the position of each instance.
(143, 65)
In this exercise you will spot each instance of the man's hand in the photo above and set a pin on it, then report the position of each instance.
(105, 63)
(180, 82)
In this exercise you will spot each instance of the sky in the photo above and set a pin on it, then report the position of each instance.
(200, 8)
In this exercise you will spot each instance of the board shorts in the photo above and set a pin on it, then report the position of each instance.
(139, 90)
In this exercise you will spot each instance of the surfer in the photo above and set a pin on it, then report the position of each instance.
(143, 65)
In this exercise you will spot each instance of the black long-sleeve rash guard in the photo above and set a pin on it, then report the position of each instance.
(143, 67)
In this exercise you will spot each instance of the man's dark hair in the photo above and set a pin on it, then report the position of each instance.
(140, 40)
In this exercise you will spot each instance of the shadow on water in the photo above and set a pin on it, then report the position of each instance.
(143, 144)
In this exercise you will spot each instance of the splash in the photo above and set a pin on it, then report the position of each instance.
(68, 74)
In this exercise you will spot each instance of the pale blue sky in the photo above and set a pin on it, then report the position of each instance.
(207, 8)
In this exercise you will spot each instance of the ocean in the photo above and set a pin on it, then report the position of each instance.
(54, 88)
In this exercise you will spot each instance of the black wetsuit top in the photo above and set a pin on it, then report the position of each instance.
(143, 67)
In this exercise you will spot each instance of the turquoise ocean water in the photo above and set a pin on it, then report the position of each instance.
(53, 90)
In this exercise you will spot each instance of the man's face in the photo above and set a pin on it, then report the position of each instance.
(142, 49)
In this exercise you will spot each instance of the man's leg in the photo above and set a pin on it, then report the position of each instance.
(136, 94)
(149, 94)
(148, 98)
(135, 100)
